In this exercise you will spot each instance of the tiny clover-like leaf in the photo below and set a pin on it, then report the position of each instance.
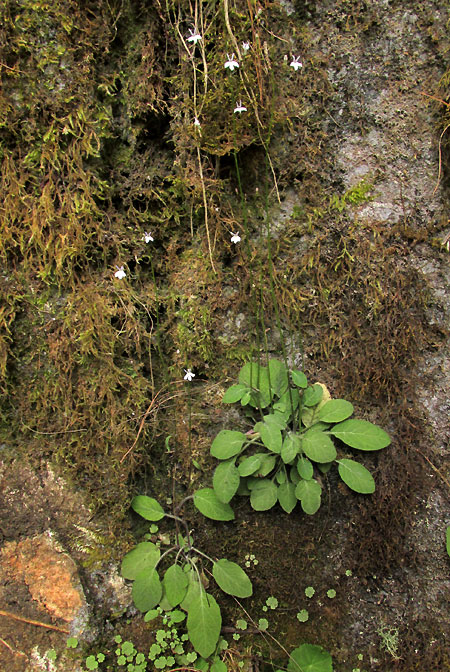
(335, 410)
(357, 477)
(309, 591)
(241, 624)
(286, 496)
(309, 493)
(263, 624)
(147, 590)
(303, 615)
(331, 593)
(91, 663)
(231, 578)
(227, 443)
(207, 502)
(147, 507)
(310, 658)
(318, 446)
(175, 585)
(361, 434)
(263, 495)
(234, 393)
(203, 624)
(272, 602)
(143, 556)
(226, 480)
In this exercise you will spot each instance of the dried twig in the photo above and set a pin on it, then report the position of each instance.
(31, 622)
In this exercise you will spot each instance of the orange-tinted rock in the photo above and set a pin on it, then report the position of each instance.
(50, 574)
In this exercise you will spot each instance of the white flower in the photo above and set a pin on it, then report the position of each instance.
(189, 375)
(246, 46)
(231, 63)
(196, 122)
(239, 108)
(235, 237)
(194, 36)
(120, 273)
(147, 237)
(296, 63)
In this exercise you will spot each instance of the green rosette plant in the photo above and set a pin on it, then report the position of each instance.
(298, 433)
(174, 580)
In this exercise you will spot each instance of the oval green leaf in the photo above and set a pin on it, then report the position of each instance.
(309, 493)
(361, 434)
(234, 393)
(291, 447)
(335, 410)
(278, 377)
(203, 624)
(305, 468)
(310, 658)
(143, 556)
(286, 496)
(226, 480)
(250, 465)
(312, 395)
(270, 435)
(264, 495)
(299, 378)
(227, 443)
(357, 477)
(147, 590)
(207, 502)
(147, 507)
(231, 578)
(267, 464)
(318, 446)
(175, 583)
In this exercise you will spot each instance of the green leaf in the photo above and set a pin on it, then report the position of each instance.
(299, 378)
(264, 495)
(250, 465)
(218, 666)
(256, 376)
(310, 658)
(267, 464)
(309, 494)
(335, 410)
(318, 446)
(231, 578)
(195, 588)
(291, 447)
(361, 434)
(226, 480)
(207, 502)
(312, 395)
(276, 420)
(147, 590)
(143, 556)
(203, 624)
(447, 534)
(278, 377)
(286, 496)
(305, 468)
(357, 477)
(227, 443)
(270, 435)
(148, 508)
(234, 393)
(175, 585)
(287, 404)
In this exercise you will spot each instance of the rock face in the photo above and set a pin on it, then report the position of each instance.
(50, 575)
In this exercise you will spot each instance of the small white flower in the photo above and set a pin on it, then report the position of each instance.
(239, 108)
(147, 237)
(235, 237)
(231, 63)
(196, 122)
(194, 36)
(189, 375)
(296, 63)
(246, 46)
(120, 273)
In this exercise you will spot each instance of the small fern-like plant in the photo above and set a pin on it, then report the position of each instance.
(298, 432)
(178, 585)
